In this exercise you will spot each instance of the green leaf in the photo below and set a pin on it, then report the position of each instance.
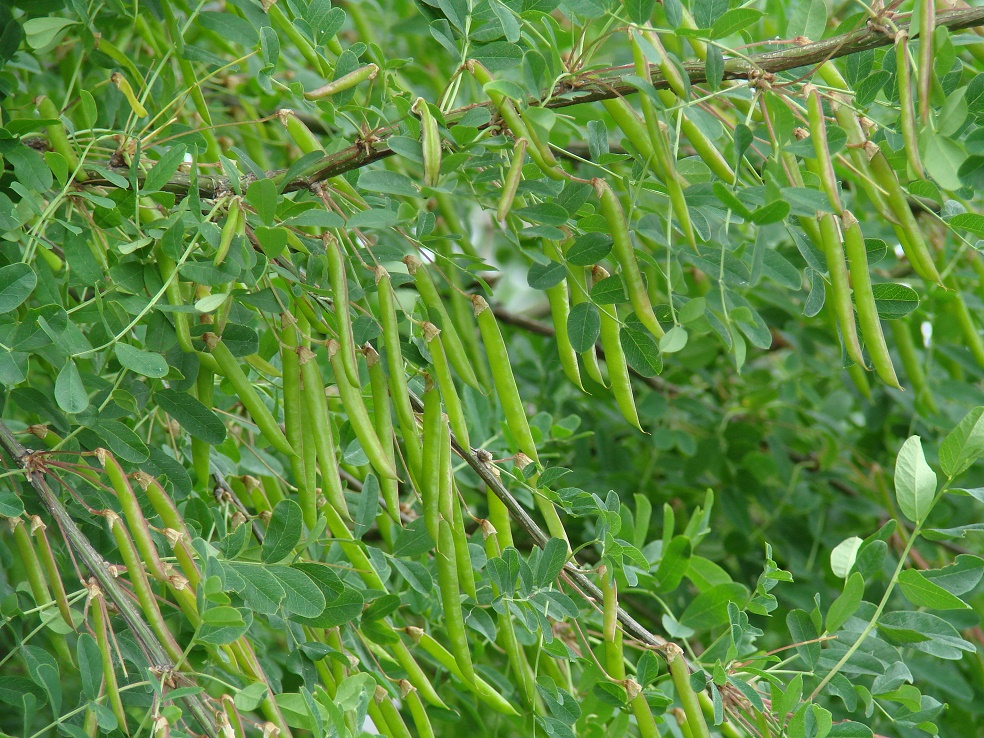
(915, 481)
(972, 222)
(44, 30)
(498, 55)
(70, 393)
(921, 592)
(263, 196)
(11, 505)
(775, 212)
(709, 609)
(545, 276)
(641, 351)
(960, 577)
(17, 282)
(924, 632)
(809, 19)
(192, 415)
(220, 635)
(674, 340)
(368, 507)
(589, 249)
(846, 604)
(301, 595)
(251, 697)
(390, 183)
(942, 158)
(229, 27)
(804, 634)
(144, 363)
(964, 444)
(164, 169)
(843, 556)
(547, 213)
(551, 562)
(734, 21)
(583, 326)
(262, 591)
(609, 291)
(894, 301)
(283, 532)
(121, 440)
(673, 564)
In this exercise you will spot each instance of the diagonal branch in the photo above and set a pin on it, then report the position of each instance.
(583, 90)
(98, 567)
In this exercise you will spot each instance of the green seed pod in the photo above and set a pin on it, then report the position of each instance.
(927, 28)
(634, 129)
(618, 369)
(442, 372)
(50, 566)
(293, 418)
(343, 318)
(97, 606)
(247, 394)
(429, 484)
(680, 673)
(864, 300)
(450, 340)
(840, 289)
(430, 142)
(298, 132)
(174, 526)
(57, 138)
(818, 134)
(383, 420)
(906, 108)
(902, 335)
(235, 225)
(418, 713)
(123, 85)
(315, 406)
(560, 307)
(345, 82)
(511, 183)
(358, 416)
(624, 254)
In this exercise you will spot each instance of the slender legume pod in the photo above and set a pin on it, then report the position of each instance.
(294, 421)
(618, 369)
(927, 27)
(50, 566)
(430, 142)
(429, 484)
(419, 714)
(578, 289)
(316, 425)
(97, 606)
(818, 134)
(450, 507)
(442, 372)
(906, 347)
(969, 330)
(123, 85)
(840, 289)
(624, 254)
(910, 235)
(247, 394)
(511, 183)
(383, 420)
(454, 620)
(451, 341)
(234, 225)
(58, 138)
(340, 302)
(396, 376)
(628, 122)
(391, 716)
(864, 300)
(560, 308)
(345, 82)
(358, 416)
(907, 112)
(680, 674)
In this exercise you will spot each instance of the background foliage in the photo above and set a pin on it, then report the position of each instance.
(240, 244)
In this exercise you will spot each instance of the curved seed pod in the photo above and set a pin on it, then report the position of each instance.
(29, 559)
(624, 254)
(906, 108)
(542, 148)
(345, 82)
(864, 300)
(927, 27)
(818, 133)
(383, 420)
(482, 689)
(462, 556)
(234, 225)
(840, 290)
(452, 343)
(511, 182)
(141, 585)
(358, 416)
(247, 394)
(97, 604)
(123, 85)
(293, 418)
(430, 142)
(502, 377)
(618, 369)
(391, 716)
(340, 301)
(902, 335)
(298, 132)
(634, 129)
(680, 673)
(47, 557)
(429, 485)
(560, 307)
(856, 140)
(442, 372)
(399, 392)
(670, 72)
(174, 526)
(132, 512)
(970, 332)
(511, 117)
(319, 432)
(454, 620)
(910, 235)
(419, 714)
(57, 138)
(579, 293)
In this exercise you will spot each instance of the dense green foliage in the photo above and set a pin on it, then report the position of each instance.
(492, 367)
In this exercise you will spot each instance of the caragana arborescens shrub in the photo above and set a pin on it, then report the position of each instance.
(494, 367)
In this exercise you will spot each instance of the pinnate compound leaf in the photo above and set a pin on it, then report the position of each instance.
(915, 481)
